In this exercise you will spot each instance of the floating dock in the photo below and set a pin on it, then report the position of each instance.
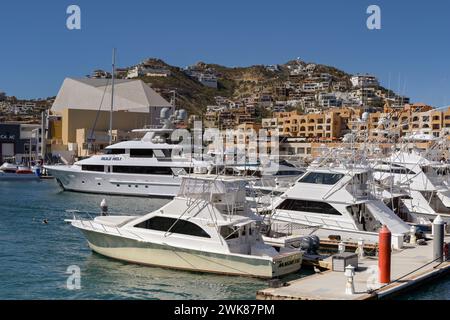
(411, 266)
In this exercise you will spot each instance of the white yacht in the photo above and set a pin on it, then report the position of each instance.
(148, 167)
(13, 172)
(335, 201)
(207, 227)
(152, 167)
(425, 182)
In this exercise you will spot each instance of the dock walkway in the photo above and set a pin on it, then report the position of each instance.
(406, 266)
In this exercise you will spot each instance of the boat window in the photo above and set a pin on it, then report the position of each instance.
(308, 206)
(93, 168)
(182, 171)
(364, 218)
(115, 151)
(162, 153)
(288, 173)
(141, 153)
(173, 226)
(143, 170)
(321, 178)
(285, 163)
(229, 233)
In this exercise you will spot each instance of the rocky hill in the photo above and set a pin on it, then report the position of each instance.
(239, 82)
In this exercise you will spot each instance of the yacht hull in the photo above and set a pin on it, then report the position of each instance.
(163, 255)
(430, 217)
(116, 184)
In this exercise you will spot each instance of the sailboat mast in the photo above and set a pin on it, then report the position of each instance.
(112, 96)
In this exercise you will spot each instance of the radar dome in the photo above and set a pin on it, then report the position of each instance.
(182, 114)
(164, 113)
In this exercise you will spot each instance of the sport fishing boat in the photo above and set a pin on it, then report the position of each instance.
(207, 227)
(336, 201)
(12, 172)
(424, 180)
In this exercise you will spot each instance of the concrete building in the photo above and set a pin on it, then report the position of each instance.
(86, 103)
(20, 140)
(359, 81)
(208, 80)
(331, 125)
(148, 71)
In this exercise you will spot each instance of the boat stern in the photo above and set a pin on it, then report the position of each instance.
(287, 263)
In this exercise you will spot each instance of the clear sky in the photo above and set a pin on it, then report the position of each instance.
(410, 52)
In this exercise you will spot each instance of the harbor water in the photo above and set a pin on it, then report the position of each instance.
(35, 256)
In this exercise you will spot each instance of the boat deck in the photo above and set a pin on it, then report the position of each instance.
(410, 267)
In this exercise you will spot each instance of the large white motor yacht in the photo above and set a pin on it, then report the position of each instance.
(207, 228)
(148, 167)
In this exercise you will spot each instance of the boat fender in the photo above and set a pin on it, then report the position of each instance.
(104, 207)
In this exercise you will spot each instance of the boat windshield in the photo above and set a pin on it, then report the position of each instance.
(205, 188)
(321, 178)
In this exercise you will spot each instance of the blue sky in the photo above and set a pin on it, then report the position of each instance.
(412, 48)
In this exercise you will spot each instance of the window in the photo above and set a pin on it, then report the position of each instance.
(143, 170)
(173, 226)
(288, 173)
(162, 153)
(229, 233)
(308, 206)
(322, 178)
(93, 168)
(141, 153)
(395, 168)
(115, 151)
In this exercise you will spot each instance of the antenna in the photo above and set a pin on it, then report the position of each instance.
(112, 95)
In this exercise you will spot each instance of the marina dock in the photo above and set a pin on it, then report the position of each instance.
(411, 266)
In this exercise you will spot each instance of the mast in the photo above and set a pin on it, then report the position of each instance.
(112, 96)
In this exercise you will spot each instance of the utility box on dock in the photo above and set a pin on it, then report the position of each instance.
(342, 260)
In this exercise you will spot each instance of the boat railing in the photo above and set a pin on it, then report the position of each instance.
(91, 224)
(288, 228)
(320, 222)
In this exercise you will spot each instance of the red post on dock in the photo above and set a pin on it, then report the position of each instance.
(384, 255)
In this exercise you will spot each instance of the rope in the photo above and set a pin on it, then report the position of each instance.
(91, 135)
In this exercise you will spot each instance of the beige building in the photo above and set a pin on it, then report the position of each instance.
(84, 104)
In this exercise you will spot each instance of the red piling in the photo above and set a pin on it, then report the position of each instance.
(384, 255)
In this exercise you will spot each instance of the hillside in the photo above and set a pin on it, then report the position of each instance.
(240, 83)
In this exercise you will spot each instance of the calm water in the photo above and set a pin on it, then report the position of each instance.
(35, 256)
